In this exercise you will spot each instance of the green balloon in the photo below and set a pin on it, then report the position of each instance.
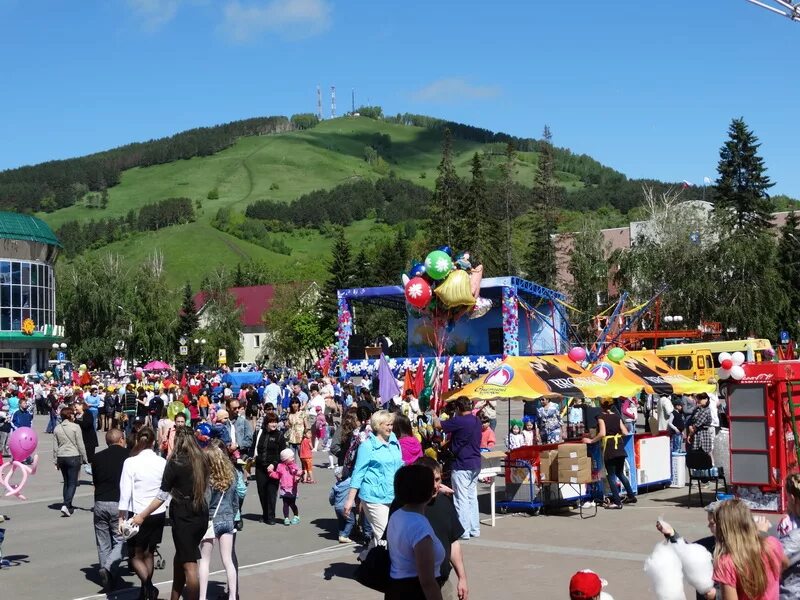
(438, 265)
(616, 354)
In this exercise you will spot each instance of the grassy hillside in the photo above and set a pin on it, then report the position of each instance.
(277, 167)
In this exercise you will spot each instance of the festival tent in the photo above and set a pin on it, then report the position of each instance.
(645, 369)
(532, 377)
(157, 365)
(9, 374)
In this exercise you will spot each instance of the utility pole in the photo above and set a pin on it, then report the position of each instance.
(333, 102)
(319, 103)
(353, 101)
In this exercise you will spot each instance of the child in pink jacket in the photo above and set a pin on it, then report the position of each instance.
(288, 474)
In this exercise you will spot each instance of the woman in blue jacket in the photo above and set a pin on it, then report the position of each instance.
(379, 457)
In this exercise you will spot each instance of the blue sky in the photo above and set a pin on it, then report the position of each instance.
(648, 88)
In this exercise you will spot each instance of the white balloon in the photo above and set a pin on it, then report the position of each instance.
(737, 372)
(737, 358)
(405, 280)
(723, 373)
(724, 356)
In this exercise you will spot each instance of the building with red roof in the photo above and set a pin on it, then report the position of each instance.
(253, 301)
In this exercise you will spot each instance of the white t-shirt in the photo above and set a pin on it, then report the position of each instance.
(406, 530)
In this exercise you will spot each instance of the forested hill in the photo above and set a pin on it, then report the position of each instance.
(268, 191)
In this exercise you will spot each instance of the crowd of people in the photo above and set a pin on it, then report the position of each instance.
(179, 453)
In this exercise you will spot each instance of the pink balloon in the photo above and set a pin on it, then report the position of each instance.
(7, 470)
(22, 443)
(577, 354)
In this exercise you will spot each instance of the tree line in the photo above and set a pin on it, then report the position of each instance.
(59, 183)
(587, 168)
(388, 199)
(78, 236)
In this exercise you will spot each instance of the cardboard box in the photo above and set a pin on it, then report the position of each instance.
(572, 450)
(575, 464)
(580, 476)
(548, 465)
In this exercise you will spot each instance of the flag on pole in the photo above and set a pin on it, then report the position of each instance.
(387, 384)
(706, 180)
(408, 382)
(419, 378)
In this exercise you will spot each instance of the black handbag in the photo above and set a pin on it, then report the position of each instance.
(373, 572)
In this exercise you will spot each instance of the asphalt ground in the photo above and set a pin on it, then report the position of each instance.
(522, 556)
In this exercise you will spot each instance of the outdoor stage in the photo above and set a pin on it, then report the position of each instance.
(525, 319)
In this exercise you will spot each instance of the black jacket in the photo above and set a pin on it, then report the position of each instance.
(106, 473)
(268, 447)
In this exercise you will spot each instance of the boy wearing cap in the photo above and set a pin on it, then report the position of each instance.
(585, 585)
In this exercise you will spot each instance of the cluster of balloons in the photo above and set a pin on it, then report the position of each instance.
(22, 444)
(444, 283)
(730, 365)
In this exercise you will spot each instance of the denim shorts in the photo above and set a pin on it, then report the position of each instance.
(223, 527)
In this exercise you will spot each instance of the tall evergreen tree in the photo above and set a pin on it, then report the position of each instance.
(341, 275)
(445, 195)
(751, 295)
(508, 197)
(789, 269)
(589, 271)
(187, 321)
(467, 212)
(540, 259)
(742, 185)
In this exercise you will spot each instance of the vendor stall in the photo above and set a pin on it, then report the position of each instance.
(763, 408)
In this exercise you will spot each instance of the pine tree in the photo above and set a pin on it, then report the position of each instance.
(341, 275)
(363, 268)
(750, 294)
(508, 197)
(540, 259)
(445, 195)
(187, 321)
(589, 271)
(789, 270)
(467, 213)
(741, 190)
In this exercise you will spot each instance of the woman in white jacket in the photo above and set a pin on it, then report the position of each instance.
(139, 485)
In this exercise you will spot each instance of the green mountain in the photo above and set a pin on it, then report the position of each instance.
(281, 167)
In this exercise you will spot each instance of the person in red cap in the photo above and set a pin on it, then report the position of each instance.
(585, 585)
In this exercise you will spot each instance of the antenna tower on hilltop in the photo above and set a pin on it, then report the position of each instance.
(353, 101)
(784, 8)
(333, 102)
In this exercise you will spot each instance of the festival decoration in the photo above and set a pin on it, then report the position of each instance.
(726, 364)
(723, 356)
(446, 249)
(482, 306)
(427, 391)
(22, 444)
(577, 354)
(438, 265)
(510, 309)
(737, 372)
(417, 269)
(28, 326)
(418, 293)
(616, 355)
(737, 358)
(455, 291)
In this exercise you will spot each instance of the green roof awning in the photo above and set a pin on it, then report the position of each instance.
(16, 226)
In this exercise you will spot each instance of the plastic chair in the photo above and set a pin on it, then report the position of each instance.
(702, 470)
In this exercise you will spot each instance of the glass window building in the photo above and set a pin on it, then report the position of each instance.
(28, 329)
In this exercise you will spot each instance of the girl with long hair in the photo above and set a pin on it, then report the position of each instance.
(185, 480)
(139, 489)
(223, 504)
(746, 565)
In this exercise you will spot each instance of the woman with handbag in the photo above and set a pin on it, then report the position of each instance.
(140, 483)
(267, 452)
(85, 420)
(415, 552)
(185, 479)
(69, 453)
(378, 459)
(223, 499)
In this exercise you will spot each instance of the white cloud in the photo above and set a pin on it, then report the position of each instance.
(289, 18)
(154, 13)
(454, 89)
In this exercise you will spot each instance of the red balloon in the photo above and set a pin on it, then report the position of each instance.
(726, 364)
(418, 293)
